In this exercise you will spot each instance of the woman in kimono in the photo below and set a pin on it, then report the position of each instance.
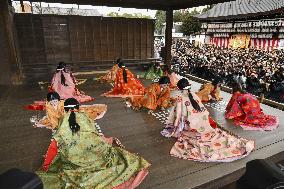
(154, 72)
(111, 75)
(199, 137)
(246, 112)
(157, 95)
(64, 84)
(125, 85)
(55, 110)
(210, 91)
(174, 78)
(78, 157)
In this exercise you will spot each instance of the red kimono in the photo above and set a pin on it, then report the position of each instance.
(246, 112)
(132, 88)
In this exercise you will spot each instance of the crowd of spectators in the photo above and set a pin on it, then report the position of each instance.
(259, 72)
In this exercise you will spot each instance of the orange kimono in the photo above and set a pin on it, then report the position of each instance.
(133, 87)
(111, 75)
(207, 92)
(154, 98)
(54, 114)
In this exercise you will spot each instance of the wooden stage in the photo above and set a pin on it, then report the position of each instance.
(22, 146)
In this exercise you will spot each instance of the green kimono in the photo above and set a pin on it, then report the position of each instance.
(85, 160)
(152, 74)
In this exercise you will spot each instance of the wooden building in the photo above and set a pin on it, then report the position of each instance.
(15, 53)
(245, 23)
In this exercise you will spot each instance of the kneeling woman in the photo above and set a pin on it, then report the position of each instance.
(110, 76)
(199, 138)
(154, 72)
(79, 157)
(64, 84)
(55, 110)
(157, 96)
(246, 112)
(210, 91)
(125, 85)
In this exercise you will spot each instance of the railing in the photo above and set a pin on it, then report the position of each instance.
(272, 103)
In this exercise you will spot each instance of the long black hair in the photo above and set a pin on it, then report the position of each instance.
(52, 96)
(182, 84)
(60, 68)
(237, 87)
(167, 69)
(215, 82)
(164, 80)
(118, 61)
(121, 65)
(72, 104)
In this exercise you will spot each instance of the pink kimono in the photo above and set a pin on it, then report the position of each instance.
(199, 138)
(70, 90)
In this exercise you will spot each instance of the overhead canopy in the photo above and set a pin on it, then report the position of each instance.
(243, 9)
(142, 4)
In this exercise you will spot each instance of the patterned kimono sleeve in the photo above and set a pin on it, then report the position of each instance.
(118, 79)
(89, 124)
(232, 100)
(129, 74)
(178, 111)
(52, 82)
(235, 110)
(45, 121)
(216, 94)
(69, 80)
(50, 154)
(94, 111)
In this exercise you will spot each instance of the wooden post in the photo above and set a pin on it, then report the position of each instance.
(10, 61)
(22, 5)
(168, 37)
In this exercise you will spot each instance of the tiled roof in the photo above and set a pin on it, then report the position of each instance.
(242, 8)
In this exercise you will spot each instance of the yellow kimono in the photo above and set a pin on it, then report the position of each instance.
(207, 92)
(153, 99)
(54, 114)
(111, 75)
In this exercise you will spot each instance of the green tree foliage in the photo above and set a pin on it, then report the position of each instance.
(160, 20)
(190, 24)
(193, 13)
(206, 9)
(177, 17)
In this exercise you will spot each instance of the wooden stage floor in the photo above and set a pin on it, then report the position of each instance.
(22, 146)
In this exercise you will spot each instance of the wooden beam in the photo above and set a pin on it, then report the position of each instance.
(146, 4)
(168, 37)
(22, 5)
(11, 68)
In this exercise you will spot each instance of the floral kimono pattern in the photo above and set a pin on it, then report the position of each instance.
(69, 90)
(132, 88)
(246, 112)
(208, 92)
(151, 74)
(54, 114)
(199, 138)
(111, 75)
(86, 160)
(154, 98)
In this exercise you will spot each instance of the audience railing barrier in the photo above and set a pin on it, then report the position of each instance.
(229, 90)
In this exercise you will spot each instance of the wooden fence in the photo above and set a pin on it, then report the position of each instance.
(48, 39)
